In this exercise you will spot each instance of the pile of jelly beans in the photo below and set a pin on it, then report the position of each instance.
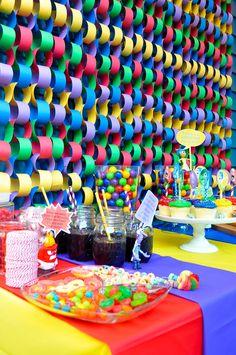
(117, 184)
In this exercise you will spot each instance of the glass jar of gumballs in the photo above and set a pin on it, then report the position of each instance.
(80, 239)
(146, 247)
(110, 250)
(118, 185)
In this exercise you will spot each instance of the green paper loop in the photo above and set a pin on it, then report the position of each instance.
(57, 147)
(7, 37)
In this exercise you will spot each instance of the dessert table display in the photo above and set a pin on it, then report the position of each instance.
(199, 243)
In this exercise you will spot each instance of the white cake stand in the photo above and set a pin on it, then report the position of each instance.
(198, 243)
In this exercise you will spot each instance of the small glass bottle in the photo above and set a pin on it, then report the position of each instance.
(132, 225)
(110, 252)
(80, 239)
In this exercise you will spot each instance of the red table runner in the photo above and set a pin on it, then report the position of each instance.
(173, 327)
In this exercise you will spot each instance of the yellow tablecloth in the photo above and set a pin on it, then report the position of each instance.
(27, 330)
(167, 244)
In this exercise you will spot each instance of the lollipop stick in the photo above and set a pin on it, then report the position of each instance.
(45, 195)
(105, 200)
(190, 159)
(102, 215)
(221, 193)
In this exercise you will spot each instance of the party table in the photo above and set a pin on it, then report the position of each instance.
(175, 325)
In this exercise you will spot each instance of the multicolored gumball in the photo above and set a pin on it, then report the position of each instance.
(117, 183)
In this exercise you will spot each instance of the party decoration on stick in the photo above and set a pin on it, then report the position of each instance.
(178, 180)
(204, 182)
(72, 199)
(222, 178)
(232, 181)
(167, 178)
(47, 255)
(193, 182)
(129, 205)
(190, 138)
(102, 215)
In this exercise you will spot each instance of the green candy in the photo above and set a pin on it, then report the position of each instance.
(122, 181)
(109, 302)
(99, 182)
(119, 202)
(110, 176)
(107, 290)
(133, 187)
(110, 189)
(139, 298)
(126, 292)
(117, 296)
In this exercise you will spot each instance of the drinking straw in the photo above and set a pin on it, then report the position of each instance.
(45, 195)
(105, 200)
(72, 199)
(102, 215)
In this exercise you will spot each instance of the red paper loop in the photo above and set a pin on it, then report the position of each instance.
(228, 164)
(115, 65)
(187, 46)
(194, 91)
(116, 139)
(24, 38)
(169, 34)
(103, 7)
(89, 64)
(149, 23)
(5, 151)
(200, 159)
(100, 154)
(178, 86)
(229, 61)
(216, 56)
(147, 155)
(128, 17)
(137, 71)
(125, 158)
(159, 77)
(75, 151)
(138, 138)
(215, 161)
(201, 49)
(90, 149)
(59, 47)
(167, 159)
(43, 147)
(209, 92)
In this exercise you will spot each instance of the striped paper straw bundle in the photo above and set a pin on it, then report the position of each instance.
(72, 199)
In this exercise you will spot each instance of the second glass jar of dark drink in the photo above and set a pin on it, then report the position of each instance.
(110, 251)
(80, 239)
(146, 247)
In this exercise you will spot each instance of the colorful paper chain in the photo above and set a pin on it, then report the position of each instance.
(85, 83)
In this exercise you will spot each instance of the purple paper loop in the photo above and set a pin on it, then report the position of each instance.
(229, 123)
(207, 141)
(126, 102)
(230, 19)
(177, 13)
(168, 109)
(210, 28)
(6, 74)
(201, 115)
(42, 76)
(149, 102)
(196, 20)
(187, 117)
(137, 124)
(216, 117)
(104, 94)
(115, 124)
(90, 131)
(174, 140)
(217, 11)
(57, 114)
(202, 4)
(223, 144)
(76, 87)
(224, 38)
(20, 112)
(159, 129)
(160, 3)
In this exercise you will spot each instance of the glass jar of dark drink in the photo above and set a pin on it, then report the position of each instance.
(110, 252)
(80, 239)
(146, 247)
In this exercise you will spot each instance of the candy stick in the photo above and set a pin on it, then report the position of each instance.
(45, 195)
(166, 187)
(102, 215)
(105, 200)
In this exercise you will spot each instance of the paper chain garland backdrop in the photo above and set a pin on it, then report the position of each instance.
(87, 83)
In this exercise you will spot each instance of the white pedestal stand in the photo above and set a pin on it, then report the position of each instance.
(198, 243)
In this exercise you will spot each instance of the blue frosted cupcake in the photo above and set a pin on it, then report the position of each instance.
(204, 209)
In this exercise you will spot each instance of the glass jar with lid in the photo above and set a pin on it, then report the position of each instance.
(146, 247)
(110, 251)
(80, 239)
